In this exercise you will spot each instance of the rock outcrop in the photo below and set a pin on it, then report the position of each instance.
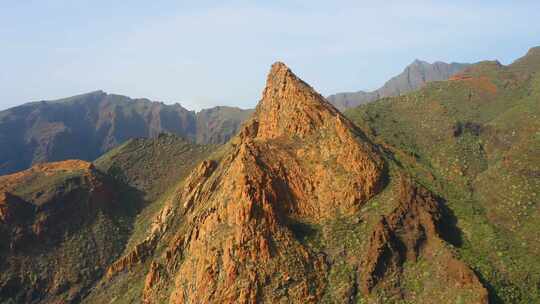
(287, 162)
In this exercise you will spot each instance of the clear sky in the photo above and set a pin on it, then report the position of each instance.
(206, 53)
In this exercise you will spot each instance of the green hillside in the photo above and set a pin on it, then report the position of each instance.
(475, 141)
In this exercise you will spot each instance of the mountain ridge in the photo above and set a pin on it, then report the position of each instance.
(431, 196)
(87, 125)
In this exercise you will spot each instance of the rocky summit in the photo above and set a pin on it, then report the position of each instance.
(262, 221)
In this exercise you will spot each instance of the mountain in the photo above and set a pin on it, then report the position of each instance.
(261, 220)
(86, 126)
(475, 141)
(431, 196)
(415, 76)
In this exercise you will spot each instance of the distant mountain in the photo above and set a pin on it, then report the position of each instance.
(415, 76)
(86, 126)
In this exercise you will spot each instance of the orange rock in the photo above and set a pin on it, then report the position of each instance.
(296, 158)
(287, 161)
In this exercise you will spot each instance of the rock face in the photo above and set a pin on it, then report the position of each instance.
(296, 160)
(265, 181)
(415, 76)
(88, 125)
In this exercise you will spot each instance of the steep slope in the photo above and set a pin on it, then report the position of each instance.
(300, 207)
(61, 225)
(86, 126)
(475, 140)
(414, 77)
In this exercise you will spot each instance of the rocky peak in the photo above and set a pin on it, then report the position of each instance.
(286, 163)
(290, 107)
(236, 237)
(282, 85)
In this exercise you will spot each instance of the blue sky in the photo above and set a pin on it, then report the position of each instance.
(218, 52)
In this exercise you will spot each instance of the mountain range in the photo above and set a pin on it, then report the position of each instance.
(87, 125)
(427, 197)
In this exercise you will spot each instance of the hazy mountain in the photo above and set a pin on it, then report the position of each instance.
(416, 75)
(86, 126)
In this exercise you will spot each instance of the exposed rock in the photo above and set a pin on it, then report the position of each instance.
(227, 234)
(144, 249)
(193, 182)
(287, 161)
(138, 255)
